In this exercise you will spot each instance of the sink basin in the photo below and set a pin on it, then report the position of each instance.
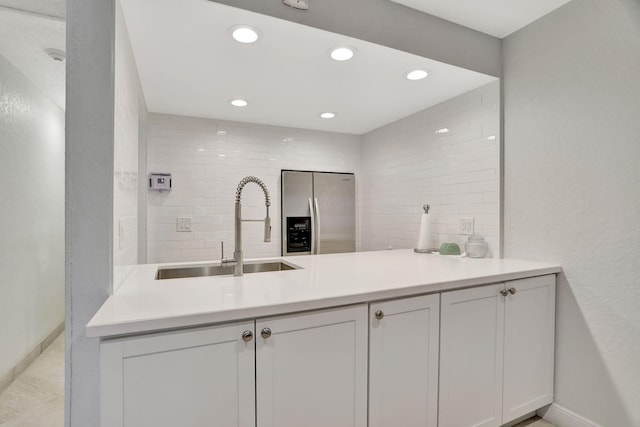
(220, 270)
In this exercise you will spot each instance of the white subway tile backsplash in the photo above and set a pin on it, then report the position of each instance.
(406, 164)
(206, 166)
(398, 167)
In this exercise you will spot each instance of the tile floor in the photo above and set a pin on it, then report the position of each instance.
(534, 422)
(36, 397)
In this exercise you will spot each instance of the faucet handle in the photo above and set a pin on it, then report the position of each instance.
(221, 252)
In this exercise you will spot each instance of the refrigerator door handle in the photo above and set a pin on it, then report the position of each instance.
(317, 211)
(313, 226)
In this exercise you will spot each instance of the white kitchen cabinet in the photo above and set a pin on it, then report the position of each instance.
(529, 345)
(311, 369)
(471, 349)
(307, 369)
(496, 352)
(191, 378)
(403, 362)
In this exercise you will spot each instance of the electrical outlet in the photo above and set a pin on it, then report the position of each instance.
(184, 224)
(466, 226)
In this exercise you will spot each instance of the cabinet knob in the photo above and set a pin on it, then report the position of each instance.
(247, 336)
(379, 314)
(512, 291)
(266, 333)
(504, 292)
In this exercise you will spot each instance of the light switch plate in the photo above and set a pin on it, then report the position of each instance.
(184, 223)
(466, 226)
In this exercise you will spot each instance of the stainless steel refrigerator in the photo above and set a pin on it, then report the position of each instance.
(318, 212)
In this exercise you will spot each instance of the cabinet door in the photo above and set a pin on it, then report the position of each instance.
(529, 344)
(403, 362)
(471, 350)
(194, 378)
(311, 369)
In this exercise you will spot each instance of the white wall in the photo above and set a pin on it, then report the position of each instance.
(406, 165)
(129, 114)
(207, 160)
(31, 216)
(89, 197)
(572, 192)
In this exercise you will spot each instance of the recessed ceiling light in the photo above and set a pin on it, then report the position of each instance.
(491, 138)
(327, 115)
(239, 103)
(342, 53)
(417, 74)
(443, 130)
(221, 132)
(56, 54)
(244, 33)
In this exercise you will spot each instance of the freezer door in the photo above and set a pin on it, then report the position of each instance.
(297, 189)
(335, 198)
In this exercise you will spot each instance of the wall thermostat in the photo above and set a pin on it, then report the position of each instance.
(159, 182)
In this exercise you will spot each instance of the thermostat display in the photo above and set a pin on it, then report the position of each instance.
(160, 182)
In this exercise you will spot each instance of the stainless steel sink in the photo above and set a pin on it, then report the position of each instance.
(220, 270)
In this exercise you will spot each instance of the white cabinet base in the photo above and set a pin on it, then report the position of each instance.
(403, 362)
(188, 378)
(312, 369)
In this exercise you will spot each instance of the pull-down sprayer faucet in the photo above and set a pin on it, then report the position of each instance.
(237, 253)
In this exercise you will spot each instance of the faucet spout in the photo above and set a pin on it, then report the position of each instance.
(237, 254)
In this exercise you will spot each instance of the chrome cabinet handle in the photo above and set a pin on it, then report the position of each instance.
(247, 336)
(504, 292)
(512, 291)
(266, 333)
(379, 314)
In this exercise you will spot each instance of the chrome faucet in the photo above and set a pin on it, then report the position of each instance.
(237, 253)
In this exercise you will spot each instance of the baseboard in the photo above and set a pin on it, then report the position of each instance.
(7, 379)
(560, 416)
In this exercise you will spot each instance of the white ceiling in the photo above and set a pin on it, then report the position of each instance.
(189, 65)
(24, 35)
(498, 18)
(284, 88)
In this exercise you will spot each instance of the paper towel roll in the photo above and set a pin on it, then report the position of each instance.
(424, 238)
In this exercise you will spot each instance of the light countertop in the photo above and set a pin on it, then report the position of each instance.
(143, 304)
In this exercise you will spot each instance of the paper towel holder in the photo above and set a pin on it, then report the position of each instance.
(426, 208)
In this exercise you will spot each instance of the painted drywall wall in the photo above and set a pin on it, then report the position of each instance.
(207, 160)
(393, 25)
(31, 216)
(572, 152)
(129, 116)
(406, 164)
(89, 197)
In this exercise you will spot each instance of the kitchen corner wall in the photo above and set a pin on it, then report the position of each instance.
(572, 195)
(207, 160)
(32, 223)
(406, 164)
(130, 115)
